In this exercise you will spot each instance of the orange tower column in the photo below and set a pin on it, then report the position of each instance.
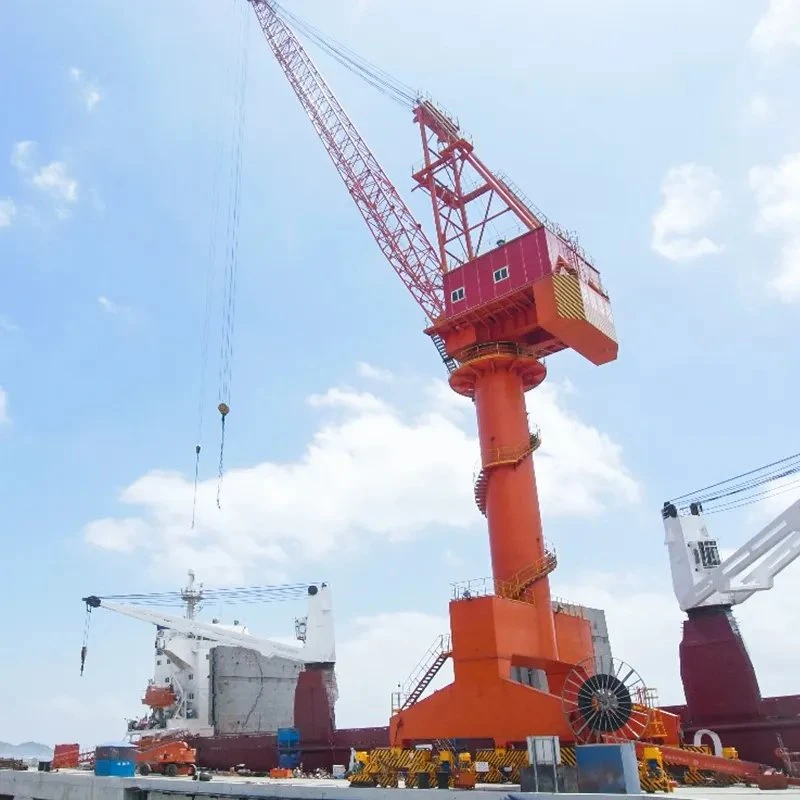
(497, 378)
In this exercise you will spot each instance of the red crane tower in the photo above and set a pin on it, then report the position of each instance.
(496, 308)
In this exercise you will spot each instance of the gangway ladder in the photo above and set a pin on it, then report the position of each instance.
(422, 675)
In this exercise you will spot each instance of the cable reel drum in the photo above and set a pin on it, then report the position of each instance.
(605, 699)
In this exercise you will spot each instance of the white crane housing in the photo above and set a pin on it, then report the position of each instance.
(700, 578)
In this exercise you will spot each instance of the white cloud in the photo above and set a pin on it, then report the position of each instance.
(374, 373)
(7, 324)
(55, 180)
(758, 109)
(371, 469)
(21, 153)
(113, 309)
(8, 210)
(3, 406)
(348, 399)
(691, 201)
(778, 28)
(90, 91)
(109, 306)
(382, 642)
(119, 535)
(777, 193)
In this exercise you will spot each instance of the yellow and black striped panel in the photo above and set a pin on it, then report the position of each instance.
(568, 756)
(574, 300)
(697, 748)
(569, 301)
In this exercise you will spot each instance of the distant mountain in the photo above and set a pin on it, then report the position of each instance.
(26, 750)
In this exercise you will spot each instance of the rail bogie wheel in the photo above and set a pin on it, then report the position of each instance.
(605, 700)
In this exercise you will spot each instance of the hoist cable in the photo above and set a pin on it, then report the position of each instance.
(85, 645)
(737, 477)
(210, 278)
(758, 497)
(367, 71)
(233, 595)
(747, 487)
(232, 247)
(196, 481)
(221, 457)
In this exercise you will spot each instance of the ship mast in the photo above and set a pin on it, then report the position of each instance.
(191, 596)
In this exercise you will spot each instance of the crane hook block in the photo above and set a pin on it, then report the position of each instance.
(223, 409)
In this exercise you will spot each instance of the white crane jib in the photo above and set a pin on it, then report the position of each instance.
(318, 645)
(701, 578)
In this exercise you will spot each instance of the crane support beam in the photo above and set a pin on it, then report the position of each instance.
(319, 645)
(399, 236)
(700, 578)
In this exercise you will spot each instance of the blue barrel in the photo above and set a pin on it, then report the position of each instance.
(288, 741)
(288, 738)
(117, 759)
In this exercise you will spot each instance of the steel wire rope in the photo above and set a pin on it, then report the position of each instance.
(378, 78)
(699, 492)
(232, 247)
(252, 594)
(757, 498)
(757, 480)
(738, 490)
(210, 279)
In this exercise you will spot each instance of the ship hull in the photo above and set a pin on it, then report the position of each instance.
(259, 752)
(722, 692)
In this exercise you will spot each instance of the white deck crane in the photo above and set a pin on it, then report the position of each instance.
(180, 692)
(701, 578)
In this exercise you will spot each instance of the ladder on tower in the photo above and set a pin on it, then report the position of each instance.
(449, 362)
(515, 588)
(503, 457)
(422, 675)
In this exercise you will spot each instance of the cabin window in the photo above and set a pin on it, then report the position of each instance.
(191, 695)
(500, 274)
(191, 676)
(709, 554)
(158, 662)
(457, 294)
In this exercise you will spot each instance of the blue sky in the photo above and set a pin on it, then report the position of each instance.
(665, 133)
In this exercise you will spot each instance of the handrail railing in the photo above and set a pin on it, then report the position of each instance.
(442, 644)
(495, 348)
(511, 454)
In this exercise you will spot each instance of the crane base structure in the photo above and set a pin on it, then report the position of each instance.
(490, 636)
